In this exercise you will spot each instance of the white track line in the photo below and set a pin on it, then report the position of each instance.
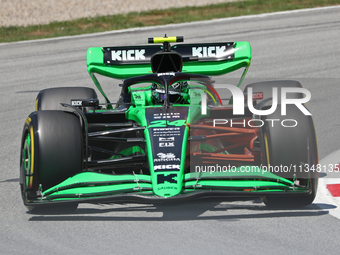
(177, 25)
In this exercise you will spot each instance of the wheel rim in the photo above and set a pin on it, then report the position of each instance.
(26, 166)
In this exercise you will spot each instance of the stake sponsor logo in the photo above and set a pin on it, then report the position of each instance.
(167, 167)
(77, 103)
(162, 178)
(118, 55)
(211, 51)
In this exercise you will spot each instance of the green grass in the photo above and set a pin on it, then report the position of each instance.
(155, 17)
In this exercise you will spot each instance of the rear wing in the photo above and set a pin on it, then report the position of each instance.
(204, 58)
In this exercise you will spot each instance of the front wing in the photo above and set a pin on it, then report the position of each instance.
(92, 187)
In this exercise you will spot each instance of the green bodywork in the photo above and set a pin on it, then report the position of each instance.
(95, 64)
(242, 58)
(91, 185)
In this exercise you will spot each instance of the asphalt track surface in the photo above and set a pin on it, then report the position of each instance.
(301, 45)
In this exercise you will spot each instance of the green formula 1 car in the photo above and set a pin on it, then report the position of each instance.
(170, 136)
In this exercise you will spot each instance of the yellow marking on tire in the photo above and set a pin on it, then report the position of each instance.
(28, 120)
(267, 149)
(316, 141)
(30, 184)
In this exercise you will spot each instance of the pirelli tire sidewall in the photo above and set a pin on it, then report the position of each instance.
(294, 148)
(291, 146)
(57, 148)
(27, 192)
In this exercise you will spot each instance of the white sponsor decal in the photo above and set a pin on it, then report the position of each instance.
(127, 54)
(167, 144)
(166, 139)
(161, 74)
(169, 115)
(166, 129)
(166, 132)
(166, 167)
(76, 103)
(166, 155)
(211, 51)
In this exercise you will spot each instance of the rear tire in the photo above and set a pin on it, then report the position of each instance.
(51, 151)
(50, 99)
(266, 87)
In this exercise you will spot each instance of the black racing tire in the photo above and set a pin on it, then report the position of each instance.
(291, 147)
(288, 146)
(50, 99)
(52, 150)
(266, 88)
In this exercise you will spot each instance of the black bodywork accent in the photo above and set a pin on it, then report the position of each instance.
(189, 52)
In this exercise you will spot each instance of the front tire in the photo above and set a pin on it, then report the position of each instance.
(291, 147)
(288, 146)
(51, 151)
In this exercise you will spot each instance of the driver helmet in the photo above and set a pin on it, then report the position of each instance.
(177, 91)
